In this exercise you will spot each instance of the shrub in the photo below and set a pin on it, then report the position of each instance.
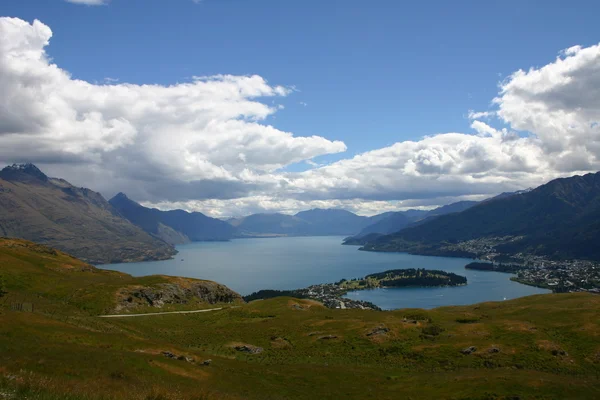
(432, 330)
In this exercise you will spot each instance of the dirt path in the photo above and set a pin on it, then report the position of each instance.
(162, 313)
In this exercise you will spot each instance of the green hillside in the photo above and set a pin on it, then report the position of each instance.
(56, 347)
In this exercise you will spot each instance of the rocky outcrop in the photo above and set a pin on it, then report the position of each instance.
(176, 291)
(247, 348)
(469, 350)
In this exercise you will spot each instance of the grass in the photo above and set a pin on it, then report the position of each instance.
(549, 346)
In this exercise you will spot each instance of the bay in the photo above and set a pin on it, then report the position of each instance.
(248, 265)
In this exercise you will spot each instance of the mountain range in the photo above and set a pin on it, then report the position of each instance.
(315, 222)
(76, 220)
(394, 221)
(560, 219)
(174, 226)
(324, 222)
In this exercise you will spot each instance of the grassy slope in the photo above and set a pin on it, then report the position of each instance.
(62, 348)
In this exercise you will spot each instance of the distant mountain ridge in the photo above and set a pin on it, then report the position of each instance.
(76, 220)
(315, 222)
(391, 222)
(560, 219)
(174, 226)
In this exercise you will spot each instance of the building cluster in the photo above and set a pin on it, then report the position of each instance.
(330, 294)
(558, 275)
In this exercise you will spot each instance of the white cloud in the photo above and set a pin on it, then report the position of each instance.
(186, 132)
(480, 114)
(559, 103)
(558, 107)
(207, 144)
(89, 2)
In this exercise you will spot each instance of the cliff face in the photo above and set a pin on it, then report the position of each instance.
(76, 220)
(52, 275)
(177, 291)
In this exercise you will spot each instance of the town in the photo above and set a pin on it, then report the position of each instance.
(557, 275)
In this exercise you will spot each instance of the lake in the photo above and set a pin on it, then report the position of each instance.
(248, 265)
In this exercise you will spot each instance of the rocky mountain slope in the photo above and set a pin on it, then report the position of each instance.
(76, 220)
(390, 222)
(560, 219)
(174, 226)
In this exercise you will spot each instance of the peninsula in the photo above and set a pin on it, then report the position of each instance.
(331, 294)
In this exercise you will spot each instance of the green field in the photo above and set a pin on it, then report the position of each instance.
(541, 347)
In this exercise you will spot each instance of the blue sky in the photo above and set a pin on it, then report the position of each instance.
(369, 74)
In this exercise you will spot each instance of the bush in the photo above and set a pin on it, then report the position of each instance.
(432, 330)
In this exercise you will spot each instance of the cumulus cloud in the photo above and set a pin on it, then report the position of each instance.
(187, 138)
(552, 113)
(559, 104)
(207, 144)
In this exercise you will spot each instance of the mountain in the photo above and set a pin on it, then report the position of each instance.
(391, 222)
(333, 221)
(560, 219)
(76, 220)
(316, 222)
(451, 208)
(175, 226)
(270, 225)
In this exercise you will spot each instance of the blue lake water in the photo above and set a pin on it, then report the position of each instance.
(248, 265)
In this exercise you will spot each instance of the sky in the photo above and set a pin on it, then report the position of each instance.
(232, 107)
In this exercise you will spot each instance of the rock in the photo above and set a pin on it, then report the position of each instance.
(168, 354)
(559, 352)
(207, 362)
(280, 342)
(380, 330)
(181, 358)
(314, 333)
(177, 291)
(328, 337)
(469, 350)
(298, 307)
(249, 349)
(493, 350)
(190, 359)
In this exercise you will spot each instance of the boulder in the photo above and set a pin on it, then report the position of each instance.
(328, 337)
(380, 330)
(246, 348)
(469, 350)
